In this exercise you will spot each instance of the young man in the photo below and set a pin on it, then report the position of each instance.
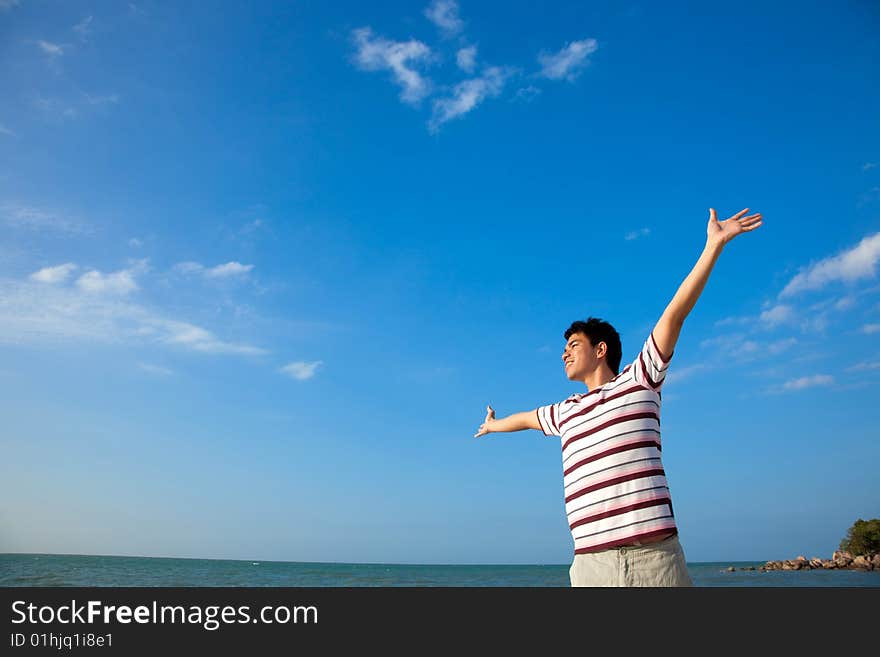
(616, 498)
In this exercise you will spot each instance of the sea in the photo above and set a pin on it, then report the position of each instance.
(94, 570)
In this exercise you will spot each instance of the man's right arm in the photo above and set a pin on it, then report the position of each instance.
(515, 422)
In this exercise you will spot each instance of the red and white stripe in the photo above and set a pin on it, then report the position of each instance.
(615, 486)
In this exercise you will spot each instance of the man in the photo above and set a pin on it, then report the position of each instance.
(616, 498)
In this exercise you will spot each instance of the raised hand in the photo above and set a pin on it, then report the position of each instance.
(721, 232)
(486, 427)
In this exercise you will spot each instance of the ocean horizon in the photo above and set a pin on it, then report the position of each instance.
(65, 570)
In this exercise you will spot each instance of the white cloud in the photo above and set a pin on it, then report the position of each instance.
(677, 375)
(6, 131)
(466, 58)
(377, 54)
(21, 216)
(870, 329)
(53, 275)
(189, 267)
(199, 339)
(227, 270)
(528, 94)
(635, 234)
(8, 4)
(868, 165)
(155, 369)
(301, 370)
(808, 382)
(845, 303)
(220, 271)
(444, 14)
(466, 96)
(568, 62)
(36, 313)
(83, 28)
(739, 348)
(779, 314)
(135, 243)
(51, 49)
(865, 366)
(851, 265)
(118, 283)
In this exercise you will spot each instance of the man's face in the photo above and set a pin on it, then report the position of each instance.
(579, 357)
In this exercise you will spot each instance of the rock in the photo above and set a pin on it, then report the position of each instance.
(730, 569)
(801, 558)
(816, 562)
(788, 565)
(828, 564)
(748, 568)
(861, 562)
(876, 561)
(842, 557)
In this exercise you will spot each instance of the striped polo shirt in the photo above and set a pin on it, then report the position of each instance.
(615, 486)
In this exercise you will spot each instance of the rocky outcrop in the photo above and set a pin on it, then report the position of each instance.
(840, 560)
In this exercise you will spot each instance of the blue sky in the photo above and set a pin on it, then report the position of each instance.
(263, 267)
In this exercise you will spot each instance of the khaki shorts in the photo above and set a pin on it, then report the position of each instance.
(656, 564)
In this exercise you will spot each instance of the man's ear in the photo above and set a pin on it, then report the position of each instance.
(601, 349)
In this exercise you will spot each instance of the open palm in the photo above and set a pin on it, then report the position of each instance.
(721, 232)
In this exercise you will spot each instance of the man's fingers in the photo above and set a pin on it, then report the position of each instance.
(712, 215)
(740, 213)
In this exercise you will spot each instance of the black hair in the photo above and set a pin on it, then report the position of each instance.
(598, 331)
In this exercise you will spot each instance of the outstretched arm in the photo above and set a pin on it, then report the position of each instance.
(718, 234)
(515, 422)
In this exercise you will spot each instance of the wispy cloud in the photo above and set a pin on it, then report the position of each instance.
(868, 166)
(870, 329)
(8, 4)
(53, 275)
(466, 59)
(199, 339)
(220, 271)
(851, 265)
(376, 54)
(115, 283)
(527, 94)
(444, 14)
(807, 382)
(23, 216)
(6, 131)
(864, 366)
(32, 312)
(83, 28)
(51, 49)
(778, 314)
(738, 347)
(568, 62)
(135, 243)
(466, 96)
(677, 375)
(636, 234)
(155, 369)
(302, 370)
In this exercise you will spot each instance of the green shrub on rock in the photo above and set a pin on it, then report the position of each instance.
(862, 538)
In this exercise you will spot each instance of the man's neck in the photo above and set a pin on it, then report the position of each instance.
(598, 377)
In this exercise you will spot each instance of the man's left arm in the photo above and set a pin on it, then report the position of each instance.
(718, 234)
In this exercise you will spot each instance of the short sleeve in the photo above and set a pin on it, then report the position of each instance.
(548, 418)
(649, 368)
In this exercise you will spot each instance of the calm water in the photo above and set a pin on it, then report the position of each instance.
(79, 570)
